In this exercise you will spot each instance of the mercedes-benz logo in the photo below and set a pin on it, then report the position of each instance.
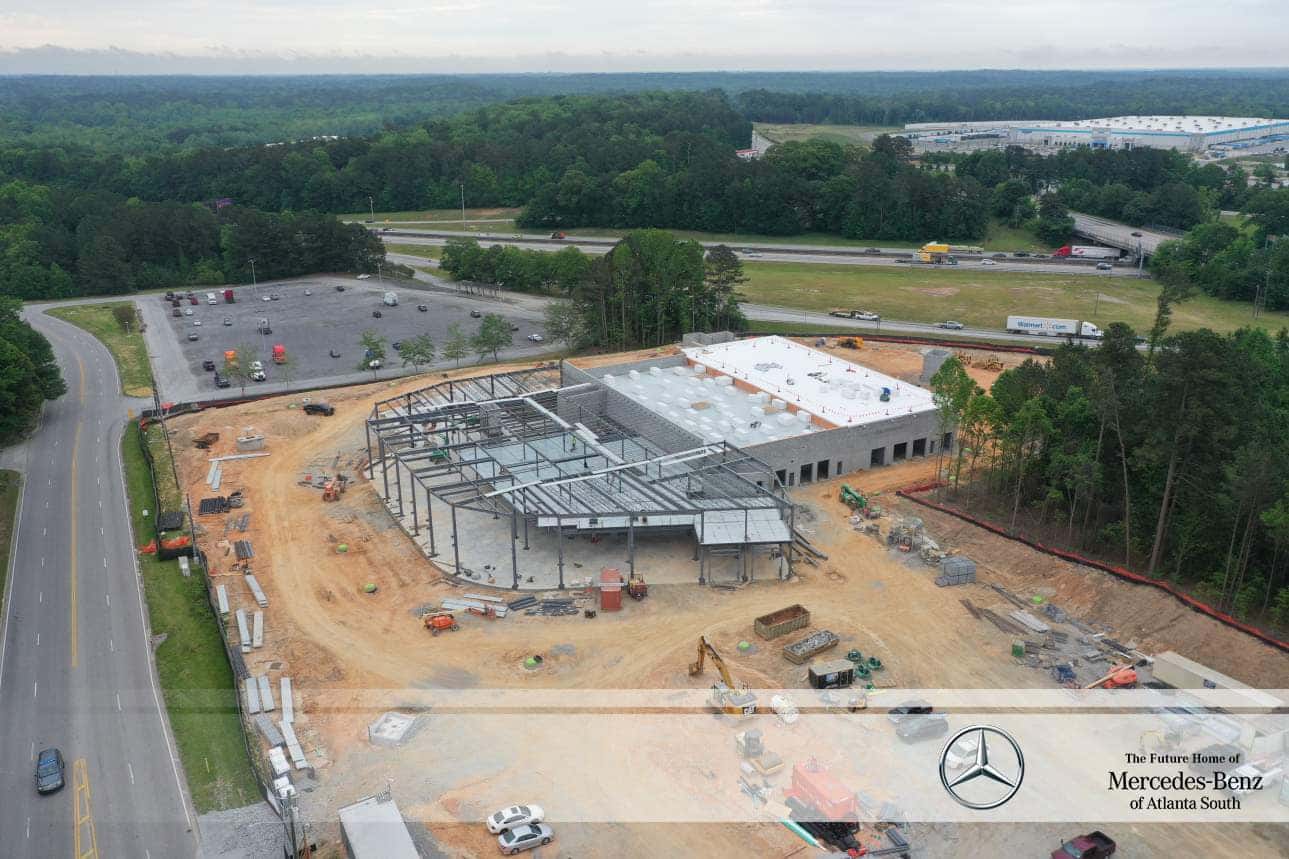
(991, 781)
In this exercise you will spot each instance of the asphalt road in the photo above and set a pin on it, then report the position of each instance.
(75, 662)
(812, 255)
(1118, 235)
(310, 326)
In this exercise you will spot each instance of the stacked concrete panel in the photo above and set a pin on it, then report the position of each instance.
(956, 570)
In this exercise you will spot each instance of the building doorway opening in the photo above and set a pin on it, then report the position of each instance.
(919, 447)
(807, 473)
(901, 452)
(821, 469)
(878, 456)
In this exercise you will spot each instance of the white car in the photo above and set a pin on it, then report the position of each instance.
(265, 298)
(867, 316)
(515, 815)
(196, 322)
(364, 276)
(308, 292)
(536, 338)
(515, 841)
(257, 376)
(187, 311)
(373, 364)
(257, 365)
(986, 262)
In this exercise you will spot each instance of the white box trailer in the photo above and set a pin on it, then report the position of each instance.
(1050, 327)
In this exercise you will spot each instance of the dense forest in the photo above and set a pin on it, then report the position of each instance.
(645, 160)
(144, 114)
(29, 375)
(58, 242)
(1175, 463)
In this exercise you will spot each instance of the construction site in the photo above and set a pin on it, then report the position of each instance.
(672, 598)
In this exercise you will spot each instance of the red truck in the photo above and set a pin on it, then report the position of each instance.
(228, 296)
(1094, 845)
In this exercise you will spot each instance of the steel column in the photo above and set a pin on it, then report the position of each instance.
(416, 525)
(559, 537)
(514, 548)
(631, 544)
(456, 541)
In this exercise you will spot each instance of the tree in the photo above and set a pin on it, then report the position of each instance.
(952, 390)
(722, 275)
(458, 345)
(1175, 285)
(1054, 222)
(373, 346)
(493, 335)
(562, 323)
(894, 146)
(237, 365)
(418, 351)
(126, 316)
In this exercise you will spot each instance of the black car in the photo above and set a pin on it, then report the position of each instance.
(916, 707)
(423, 308)
(922, 727)
(49, 771)
(376, 314)
(340, 287)
(475, 314)
(221, 381)
(872, 250)
(1021, 254)
(208, 365)
(319, 409)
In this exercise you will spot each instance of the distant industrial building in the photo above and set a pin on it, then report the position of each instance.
(1197, 134)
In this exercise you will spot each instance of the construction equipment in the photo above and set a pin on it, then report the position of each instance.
(441, 621)
(823, 806)
(1119, 677)
(333, 489)
(727, 696)
(991, 363)
(851, 498)
(851, 343)
(488, 611)
(751, 747)
(637, 587)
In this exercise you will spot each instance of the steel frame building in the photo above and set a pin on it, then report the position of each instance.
(576, 458)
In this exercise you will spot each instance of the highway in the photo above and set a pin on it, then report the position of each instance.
(1119, 235)
(75, 662)
(810, 254)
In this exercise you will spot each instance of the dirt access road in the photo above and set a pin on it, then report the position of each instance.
(351, 654)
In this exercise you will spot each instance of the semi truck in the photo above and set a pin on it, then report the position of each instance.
(1087, 252)
(1050, 327)
(229, 298)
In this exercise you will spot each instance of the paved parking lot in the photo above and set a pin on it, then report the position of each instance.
(311, 318)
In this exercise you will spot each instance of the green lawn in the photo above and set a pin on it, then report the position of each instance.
(423, 251)
(784, 132)
(448, 216)
(10, 492)
(129, 350)
(979, 297)
(196, 679)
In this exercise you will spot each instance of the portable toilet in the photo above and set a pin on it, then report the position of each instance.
(610, 589)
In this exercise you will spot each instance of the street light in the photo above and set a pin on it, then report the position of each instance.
(372, 207)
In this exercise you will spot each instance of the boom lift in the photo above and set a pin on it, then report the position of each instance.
(727, 696)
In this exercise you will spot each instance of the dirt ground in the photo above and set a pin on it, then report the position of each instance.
(342, 646)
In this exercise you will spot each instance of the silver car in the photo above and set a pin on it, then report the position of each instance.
(523, 838)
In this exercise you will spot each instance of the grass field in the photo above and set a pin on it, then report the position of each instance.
(196, 679)
(447, 216)
(980, 298)
(129, 350)
(423, 251)
(782, 133)
(10, 492)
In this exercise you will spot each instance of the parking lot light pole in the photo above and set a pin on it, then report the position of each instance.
(372, 207)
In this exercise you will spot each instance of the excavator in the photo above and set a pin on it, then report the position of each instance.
(727, 696)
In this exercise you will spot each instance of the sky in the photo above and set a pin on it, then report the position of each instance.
(404, 36)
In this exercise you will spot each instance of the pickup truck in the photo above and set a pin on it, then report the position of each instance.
(1094, 845)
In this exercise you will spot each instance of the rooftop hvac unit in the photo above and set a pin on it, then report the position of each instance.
(803, 417)
(608, 379)
(634, 374)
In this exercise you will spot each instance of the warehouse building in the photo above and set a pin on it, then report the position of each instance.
(1196, 134)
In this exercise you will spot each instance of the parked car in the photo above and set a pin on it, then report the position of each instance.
(536, 338)
(274, 296)
(265, 298)
(475, 314)
(515, 815)
(514, 327)
(340, 287)
(192, 299)
(950, 325)
(196, 323)
(986, 262)
(374, 364)
(221, 381)
(176, 312)
(257, 365)
(257, 376)
(423, 308)
(49, 770)
(319, 409)
(208, 365)
(228, 320)
(308, 292)
(397, 345)
(187, 311)
(1094, 845)
(364, 276)
(916, 707)
(377, 314)
(192, 335)
(914, 728)
(523, 838)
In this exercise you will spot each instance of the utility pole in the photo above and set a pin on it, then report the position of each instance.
(462, 205)
(371, 205)
(255, 292)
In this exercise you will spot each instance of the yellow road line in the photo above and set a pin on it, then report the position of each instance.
(76, 445)
(86, 840)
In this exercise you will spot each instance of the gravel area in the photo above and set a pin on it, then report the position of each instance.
(251, 832)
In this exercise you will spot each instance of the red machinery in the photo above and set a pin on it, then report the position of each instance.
(823, 805)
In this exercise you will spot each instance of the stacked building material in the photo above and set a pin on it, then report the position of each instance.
(293, 745)
(221, 594)
(554, 608)
(522, 603)
(288, 701)
(212, 506)
(243, 630)
(811, 645)
(956, 570)
(257, 630)
(252, 695)
(257, 591)
(1030, 621)
(243, 549)
(266, 693)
